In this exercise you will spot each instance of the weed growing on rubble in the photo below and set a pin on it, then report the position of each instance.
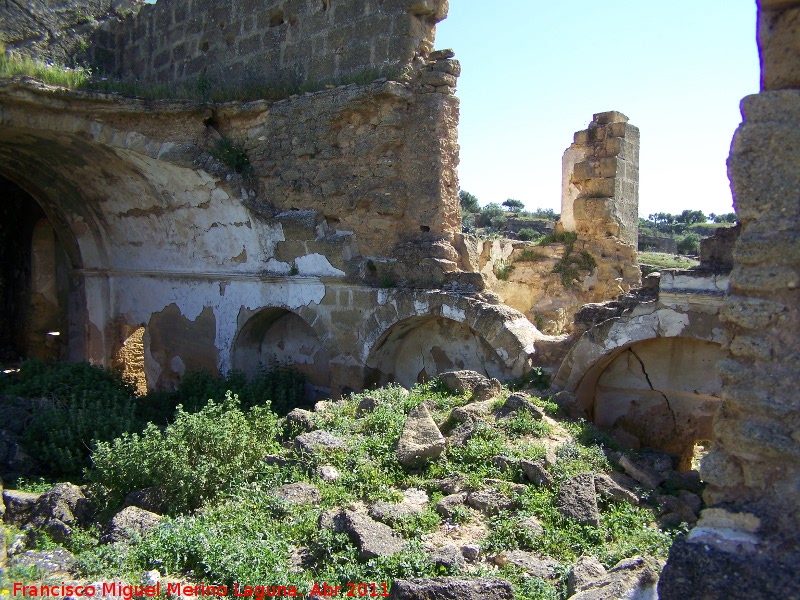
(227, 525)
(227, 152)
(502, 270)
(49, 73)
(193, 458)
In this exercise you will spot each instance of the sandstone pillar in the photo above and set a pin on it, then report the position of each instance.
(600, 199)
(746, 544)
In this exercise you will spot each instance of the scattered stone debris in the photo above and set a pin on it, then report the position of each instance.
(372, 538)
(451, 588)
(577, 500)
(421, 439)
(129, 523)
(300, 421)
(447, 506)
(449, 557)
(569, 405)
(318, 441)
(414, 502)
(607, 488)
(298, 493)
(635, 577)
(53, 563)
(489, 502)
(583, 572)
(328, 473)
(536, 472)
(462, 382)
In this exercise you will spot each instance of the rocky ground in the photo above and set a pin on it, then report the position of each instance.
(460, 489)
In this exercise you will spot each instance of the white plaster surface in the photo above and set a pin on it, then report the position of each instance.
(316, 265)
(139, 297)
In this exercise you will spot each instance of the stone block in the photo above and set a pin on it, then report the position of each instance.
(779, 48)
(347, 12)
(613, 116)
(599, 187)
(611, 167)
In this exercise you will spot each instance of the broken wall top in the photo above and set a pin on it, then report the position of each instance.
(282, 44)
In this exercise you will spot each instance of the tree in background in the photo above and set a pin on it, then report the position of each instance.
(689, 244)
(726, 218)
(545, 213)
(491, 215)
(514, 205)
(690, 217)
(469, 202)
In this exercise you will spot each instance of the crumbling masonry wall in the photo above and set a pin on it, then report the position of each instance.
(600, 200)
(277, 42)
(746, 545)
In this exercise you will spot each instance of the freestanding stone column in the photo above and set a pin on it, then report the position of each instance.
(747, 544)
(600, 199)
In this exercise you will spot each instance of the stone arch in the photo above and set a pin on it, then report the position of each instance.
(276, 336)
(417, 349)
(651, 374)
(506, 338)
(43, 301)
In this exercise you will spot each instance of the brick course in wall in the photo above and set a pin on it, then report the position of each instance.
(282, 43)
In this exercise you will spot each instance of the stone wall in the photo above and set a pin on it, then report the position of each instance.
(180, 263)
(277, 43)
(746, 545)
(716, 251)
(601, 179)
(651, 243)
(57, 30)
(600, 201)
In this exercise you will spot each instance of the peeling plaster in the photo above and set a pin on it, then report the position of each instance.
(316, 265)
(456, 314)
(139, 297)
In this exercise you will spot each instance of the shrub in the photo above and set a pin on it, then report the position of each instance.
(528, 235)
(282, 387)
(689, 244)
(502, 270)
(194, 460)
(232, 155)
(80, 403)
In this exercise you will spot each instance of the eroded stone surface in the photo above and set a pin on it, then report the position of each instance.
(421, 439)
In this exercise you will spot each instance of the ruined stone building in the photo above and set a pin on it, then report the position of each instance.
(315, 221)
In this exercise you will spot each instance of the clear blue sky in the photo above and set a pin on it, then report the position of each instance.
(534, 72)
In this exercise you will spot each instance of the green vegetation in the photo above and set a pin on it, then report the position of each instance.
(469, 203)
(572, 262)
(528, 235)
(686, 228)
(531, 255)
(514, 205)
(203, 89)
(190, 458)
(491, 220)
(659, 260)
(503, 270)
(226, 524)
(16, 66)
(80, 405)
(232, 155)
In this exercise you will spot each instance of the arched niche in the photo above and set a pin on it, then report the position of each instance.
(38, 305)
(417, 349)
(664, 391)
(278, 337)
